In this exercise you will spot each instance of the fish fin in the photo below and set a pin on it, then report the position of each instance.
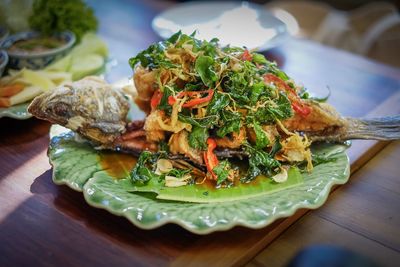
(383, 128)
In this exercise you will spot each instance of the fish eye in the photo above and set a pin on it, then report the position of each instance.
(61, 110)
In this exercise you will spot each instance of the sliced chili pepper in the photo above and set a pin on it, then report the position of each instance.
(210, 158)
(247, 56)
(297, 104)
(197, 101)
(300, 108)
(278, 81)
(193, 102)
(171, 100)
(156, 99)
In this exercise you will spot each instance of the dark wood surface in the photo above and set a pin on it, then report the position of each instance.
(42, 224)
(361, 216)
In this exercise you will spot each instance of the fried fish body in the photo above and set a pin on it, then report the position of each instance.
(92, 108)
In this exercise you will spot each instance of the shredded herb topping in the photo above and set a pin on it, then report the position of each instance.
(223, 94)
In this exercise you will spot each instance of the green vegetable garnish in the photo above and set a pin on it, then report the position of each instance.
(231, 122)
(142, 173)
(222, 171)
(204, 67)
(261, 137)
(218, 103)
(229, 97)
(198, 137)
(52, 16)
(145, 168)
(260, 162)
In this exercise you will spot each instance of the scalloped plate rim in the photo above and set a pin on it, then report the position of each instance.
(324, 194)
(223, 227)
(7, 113)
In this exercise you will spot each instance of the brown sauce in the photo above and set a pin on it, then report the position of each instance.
(38, 44)
(117, 165)
(207, 185)
(254, 182)
(211, 186)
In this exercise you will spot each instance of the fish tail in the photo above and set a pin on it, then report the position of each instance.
(384, 128)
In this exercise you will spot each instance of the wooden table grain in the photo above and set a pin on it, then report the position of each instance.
(42, 224)
(361, 216)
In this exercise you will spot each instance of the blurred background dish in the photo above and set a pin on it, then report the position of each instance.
(4, 32)
(3, 61)
(371, 30)
(32, 50)
(235, 23)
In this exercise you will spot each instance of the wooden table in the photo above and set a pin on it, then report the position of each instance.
(42, 224)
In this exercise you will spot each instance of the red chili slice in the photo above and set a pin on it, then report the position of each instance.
(171, 100)
(195, 98)
(297, 104)
(156, 99)
(210, 158)
(197, 101)
(247, 56)
(301, 108)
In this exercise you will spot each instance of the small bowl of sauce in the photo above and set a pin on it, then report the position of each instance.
(4, 32)
(3, 61)
(35, 51)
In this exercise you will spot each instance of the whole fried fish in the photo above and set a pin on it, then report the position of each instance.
(95, 110)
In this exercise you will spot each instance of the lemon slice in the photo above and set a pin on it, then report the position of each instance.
(25, 95)
(90, 44)
(86, 65)
(36, 79)
(56, 77)
(61, 65)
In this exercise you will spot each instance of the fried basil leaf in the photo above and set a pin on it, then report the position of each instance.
(260, 162)
(222, 171)
(198, 137)
(273, 68)
(281, 109)
(154, 57)
(178, 173)
(275, 148)
(204, 67)
(218, 103)
(141, 173)
(256, 90)
(259, 58)
(231, 123)
(261, 137)
(205, 122)
(163, 105)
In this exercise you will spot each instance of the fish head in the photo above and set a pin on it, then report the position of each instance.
(55, 106)
(90, 107)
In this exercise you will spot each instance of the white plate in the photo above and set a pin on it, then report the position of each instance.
(234, 23)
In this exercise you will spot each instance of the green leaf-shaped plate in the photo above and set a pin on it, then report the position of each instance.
(82, 168)
(18, 112)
